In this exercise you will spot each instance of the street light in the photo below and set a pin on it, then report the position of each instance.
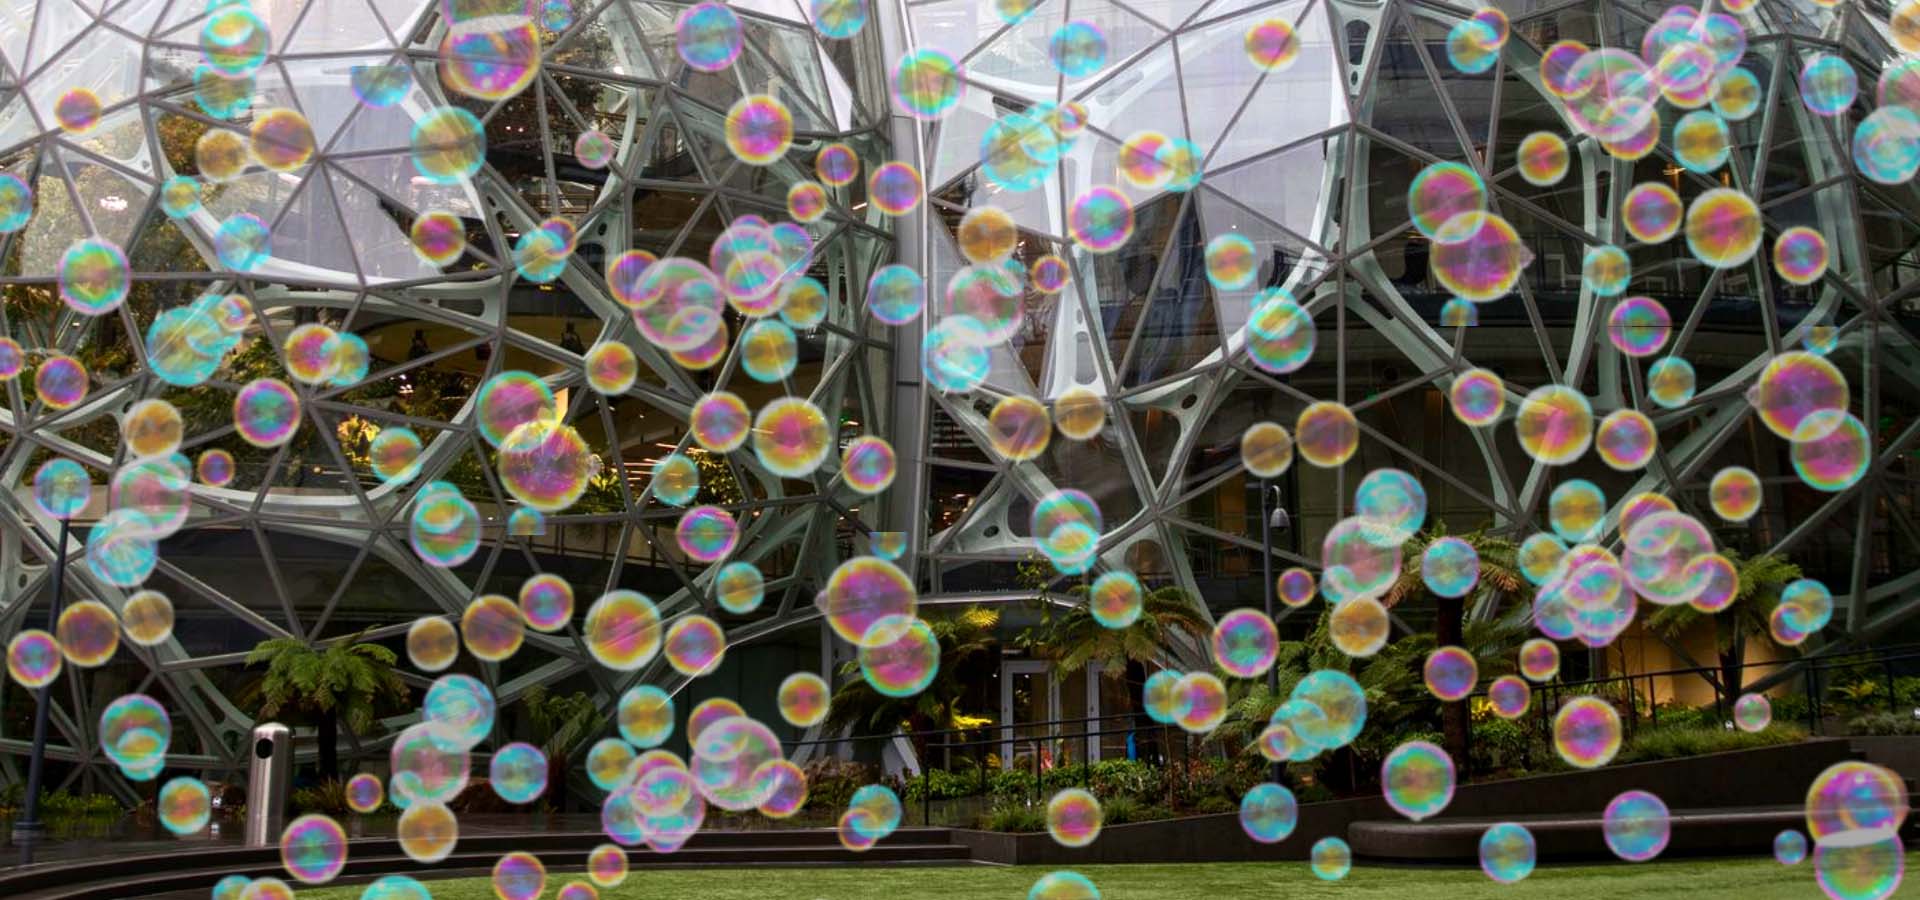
(1272, 519)
(61, 488)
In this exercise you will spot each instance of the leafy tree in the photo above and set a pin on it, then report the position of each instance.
(1761, 579)
(345, 681)
(561, 723)
(969, 653)
(1499, 578)
(1076, 638)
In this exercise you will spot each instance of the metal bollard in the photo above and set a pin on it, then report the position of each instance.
(269, 773)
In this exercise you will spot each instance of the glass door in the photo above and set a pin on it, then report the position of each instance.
(1028, 700)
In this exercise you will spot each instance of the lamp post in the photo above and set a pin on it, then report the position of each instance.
(1276, 517)
(28, 829)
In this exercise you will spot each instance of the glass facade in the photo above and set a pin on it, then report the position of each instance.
(1310, 164)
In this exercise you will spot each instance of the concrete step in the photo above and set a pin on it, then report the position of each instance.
(193, 874)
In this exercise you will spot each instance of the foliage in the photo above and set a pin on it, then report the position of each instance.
(968, 648)
(1121, 810)
(832, 781)
(1015, 816)
(1500, 576)
(329, 796)
(1676, 741)
(347, 681)
(1074, 638)
(1884, 724)
(1501, 744)
(1760, 581)
(60, 804)
(561, 723)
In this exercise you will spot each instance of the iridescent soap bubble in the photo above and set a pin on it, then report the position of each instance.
(122, 549)
(1554, 424)
(1838, 458)
(179, 197)
(1639, 326)
(1794, 387)
(1330, 859)
(438, 237)
(708, 36)
(791, 437)
(986, 234)
(215, 468)
(895, 188)
(77, 111)
(184, 805)
(546, 602)
(1800, 255)
(518, 773)
(1543, 158)
(1614, 95)
(1701, 141)
(707, 533)
(1271, 44)
(1828, 84)
(447, 145)
(147, 618)
(313, 849)
(1575, 510)
(1139, 162)
(545, 465)
(242, 242)
(1342, 702)
(1855, 802)
(394, 454)
(1266, 450)
(1077, 49)
(1636, 826)
(866, 591)
(365, 793)
(607, 865)
(868, 464)
(1459, 313)
(266, 888)
(803, 699)
(220, 155)
(1868, 869)
(836, 164)
(1280, 334)
(510, 399)
(519, 876)
(719, 421)
(234, 38)
(93, 276)
(1450, 567)
(1115, 599)
(904, 666)
(1606, 269)
(1296, 586)
(492, 628)
(645, 716)
(1417, 779)
(839, 19)
(1477, 397)
(622, 630)
(1202, 702)
(1232, 261)
(557, 16)
(1734, 493)
(1886, 145)
(1723, 228)
(1073, 817)
(694, 645)
(427, 832)
(759, 129)
(1327, 434)
(1063, 885)
(350, 360)
(1509, 696)
(739, 587)
(1651, 212)
(1159, 698)
(1670, 382)
(896, 294)
(88, 633)
(33, 658)
(1471, 47)
(1752, 712)
(1586, 732)
(1539, 659)
(1441, 191)
(381, 85)
(311, 350)
(1807, 604)
(1789, 847)
(220, 94)
(459, 712)
(1018, 428)
(1478, 256)
(1245, 643)
(927, 83)
(16, 201)
(1101, 219)
(807, 201)
(282, 139)
(803, 303)
(768, 351)
(1507, 852)
(593, 149)
(61, 487)
(1451, 673)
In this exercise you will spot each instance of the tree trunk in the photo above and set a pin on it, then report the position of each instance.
(1448, 631)
(557, 781)
(1730, 669)
(328, 735)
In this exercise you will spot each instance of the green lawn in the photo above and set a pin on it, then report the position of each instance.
(1746, 879)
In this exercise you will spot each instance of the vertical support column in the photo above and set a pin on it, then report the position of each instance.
(907, 406)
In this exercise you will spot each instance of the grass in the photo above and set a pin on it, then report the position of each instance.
(1746, 879)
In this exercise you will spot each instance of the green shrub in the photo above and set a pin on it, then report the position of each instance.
(940, 785)
(1214, 804)
(1500, 744)
(60, 804)
(1126, 778)
(1015, 817)
(1884, 724)
(831, 782)
(1120, 810)
(1673, 742)
(328, 797)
